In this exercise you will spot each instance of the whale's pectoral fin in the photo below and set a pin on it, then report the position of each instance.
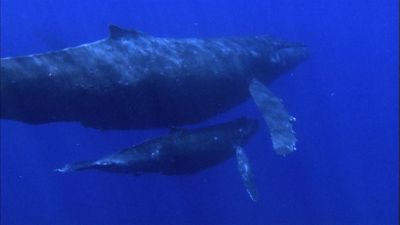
(276, 117)
(246, 173)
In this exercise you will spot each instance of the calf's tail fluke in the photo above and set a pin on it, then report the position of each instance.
(83, 165)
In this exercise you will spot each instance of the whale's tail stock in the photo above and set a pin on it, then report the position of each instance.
(82, 165)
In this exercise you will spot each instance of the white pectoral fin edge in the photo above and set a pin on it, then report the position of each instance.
(246, 173)
(277, 118)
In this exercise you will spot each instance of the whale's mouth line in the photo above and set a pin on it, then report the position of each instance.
(294, 52)
(294, 46)
(289, 44)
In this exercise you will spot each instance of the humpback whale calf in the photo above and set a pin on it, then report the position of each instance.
(182, 152)
(134, 80)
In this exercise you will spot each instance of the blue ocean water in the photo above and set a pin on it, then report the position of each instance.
(345, 99)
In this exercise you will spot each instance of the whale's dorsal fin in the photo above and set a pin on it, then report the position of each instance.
(177, 129)
(118, 32)
(246, 173)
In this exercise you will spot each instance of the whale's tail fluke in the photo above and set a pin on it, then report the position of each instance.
(83, 165)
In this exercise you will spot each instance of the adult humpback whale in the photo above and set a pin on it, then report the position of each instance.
(182, 152)
(132, 80)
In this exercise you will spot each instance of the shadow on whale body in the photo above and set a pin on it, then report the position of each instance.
(131, 80)
(182, 152)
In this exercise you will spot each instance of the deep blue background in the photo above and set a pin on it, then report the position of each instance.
(345, 98)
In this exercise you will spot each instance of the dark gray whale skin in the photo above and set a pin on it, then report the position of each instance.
(132, 80)
(182, 152)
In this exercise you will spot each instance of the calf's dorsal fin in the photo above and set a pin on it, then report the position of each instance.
(177, 130)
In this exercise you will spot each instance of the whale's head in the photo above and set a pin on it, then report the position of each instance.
(288, 56)
(274, 57)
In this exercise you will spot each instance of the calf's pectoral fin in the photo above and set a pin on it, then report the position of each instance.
(246, 173)
(276, 117)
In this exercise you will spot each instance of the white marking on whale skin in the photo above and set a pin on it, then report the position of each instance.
(195, 42)
(86, 45)
(102, 163)
(155, 49)
(64, 49)
(275, 58)
(110, 160)
(155, 153)
(40, 61)
(254, 53)
(175, 60)
(64, 169)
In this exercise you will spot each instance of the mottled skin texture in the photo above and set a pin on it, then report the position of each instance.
(178, 153)
(131, 80)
